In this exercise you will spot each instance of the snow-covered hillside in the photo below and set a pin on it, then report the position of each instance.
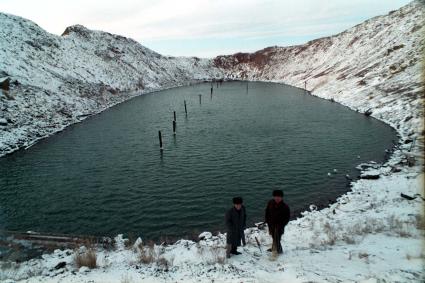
(58, 80)
(375, 65)
(371, 234)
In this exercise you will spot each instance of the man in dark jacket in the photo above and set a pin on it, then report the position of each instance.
(277, 216)
(235, 220)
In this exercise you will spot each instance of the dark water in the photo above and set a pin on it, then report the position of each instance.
(107, 175)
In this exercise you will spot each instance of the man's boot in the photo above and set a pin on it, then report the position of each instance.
(234, 251)
(228, 250)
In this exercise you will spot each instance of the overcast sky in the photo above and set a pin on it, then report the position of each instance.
(204, 28)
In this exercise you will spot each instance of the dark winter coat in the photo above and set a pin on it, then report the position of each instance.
(235, 224)
(277, 216)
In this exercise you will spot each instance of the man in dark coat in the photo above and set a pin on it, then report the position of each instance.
(277, 216)
(235, 220)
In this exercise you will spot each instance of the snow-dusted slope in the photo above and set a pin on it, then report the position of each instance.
(57, 80)
(375, 65)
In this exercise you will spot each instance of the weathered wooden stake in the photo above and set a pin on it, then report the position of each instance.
(412, 145)
(174, 127)
(211, 90)
(185, 108)
(175, 116)
(200, 98)
(160, 140)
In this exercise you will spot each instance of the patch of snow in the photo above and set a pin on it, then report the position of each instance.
(205, 236)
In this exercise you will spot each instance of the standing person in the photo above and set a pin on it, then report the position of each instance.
(235, 220)
(277, 216)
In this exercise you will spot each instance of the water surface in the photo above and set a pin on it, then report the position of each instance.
(107, 175)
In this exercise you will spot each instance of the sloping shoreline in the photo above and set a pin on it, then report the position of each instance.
(63, 125)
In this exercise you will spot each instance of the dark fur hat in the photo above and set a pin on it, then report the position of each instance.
(237, 200)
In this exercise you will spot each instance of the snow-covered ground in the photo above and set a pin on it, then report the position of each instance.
(371, 234)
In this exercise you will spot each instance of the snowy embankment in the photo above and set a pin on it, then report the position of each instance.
(56, 81)
(369, 234)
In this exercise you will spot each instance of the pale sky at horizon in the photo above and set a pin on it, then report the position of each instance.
(204, 28)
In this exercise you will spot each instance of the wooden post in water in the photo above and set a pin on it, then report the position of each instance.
(200, 96)
(247, 87)
(174, 127)
(175, 116)
(211, 90)
(160, 140)
(185, 108)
